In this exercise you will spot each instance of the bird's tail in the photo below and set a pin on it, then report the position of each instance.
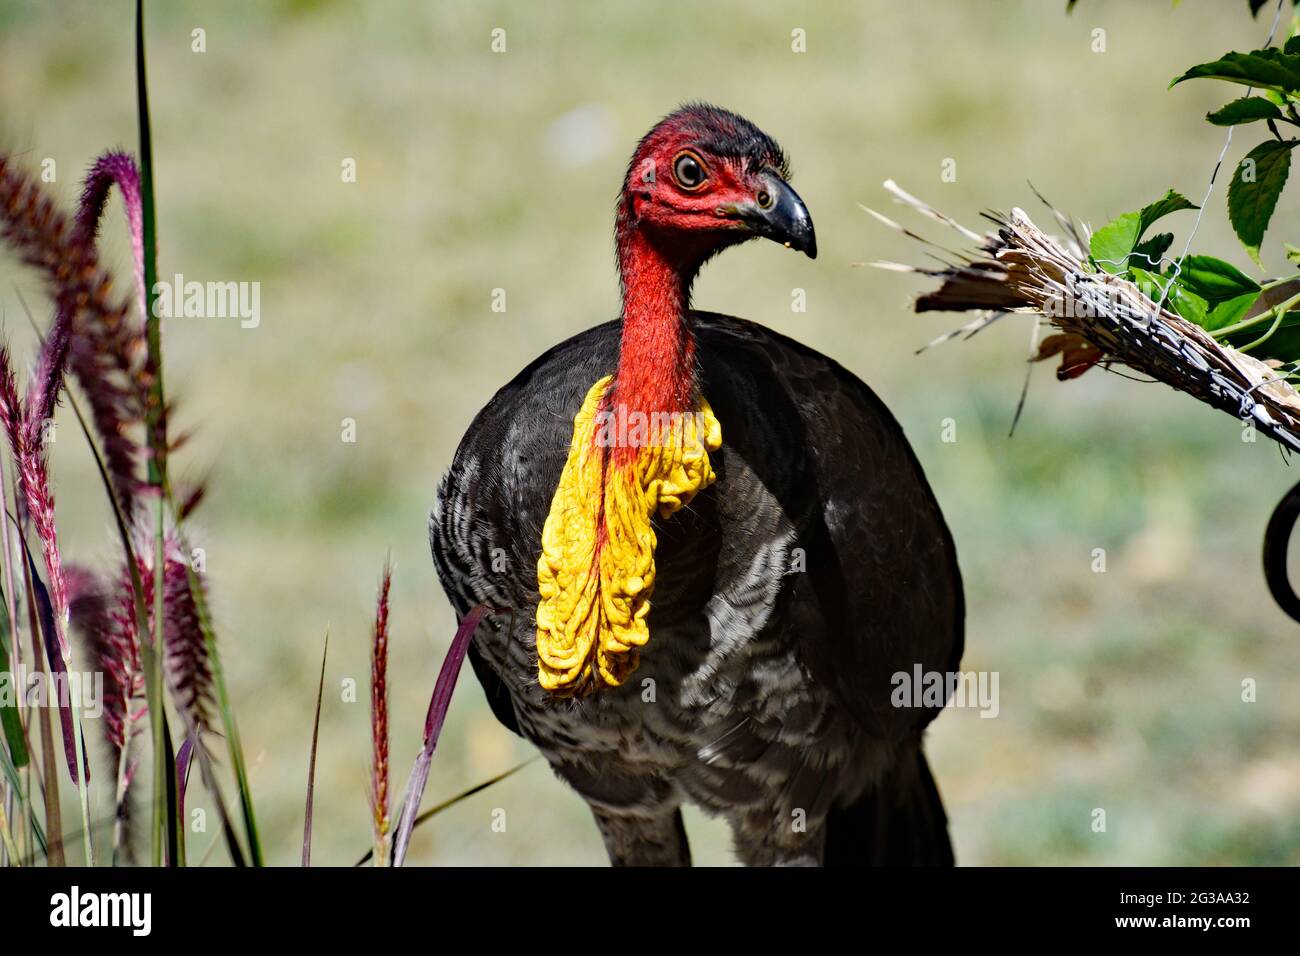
(899, 823)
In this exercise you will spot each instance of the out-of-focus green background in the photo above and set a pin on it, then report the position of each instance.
(479, 170)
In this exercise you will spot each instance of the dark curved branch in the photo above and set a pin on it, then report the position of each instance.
(1277, 542)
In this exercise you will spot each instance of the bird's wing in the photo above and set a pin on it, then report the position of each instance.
(881, 567)
(485, 529)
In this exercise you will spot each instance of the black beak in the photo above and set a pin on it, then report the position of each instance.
(778, 213)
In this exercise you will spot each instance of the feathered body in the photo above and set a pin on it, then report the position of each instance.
(788, 593)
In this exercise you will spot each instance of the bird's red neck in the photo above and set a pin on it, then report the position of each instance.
(656, 363)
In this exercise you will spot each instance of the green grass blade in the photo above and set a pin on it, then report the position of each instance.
(23, 799)
(231, 729)
(10, 847)
(311, 763)
(163, 811)
(157, 431)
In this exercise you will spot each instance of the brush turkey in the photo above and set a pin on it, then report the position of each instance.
(718, 546)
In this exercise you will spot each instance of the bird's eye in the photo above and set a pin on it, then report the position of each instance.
(688, 171)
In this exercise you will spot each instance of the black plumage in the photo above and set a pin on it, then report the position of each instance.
(811, 459)
(789, 593)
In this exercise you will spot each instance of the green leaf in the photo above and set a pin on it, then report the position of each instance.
(1248, 109)
(1152, 284)
(1149, 253)
(1215, 280)
(1113, 242)
(1292, 252)
(1252, 197)
(1188, 304)
(1229, 312)
(1171, 201)
(1283, 344)
(1176, 296)
(1267, 69)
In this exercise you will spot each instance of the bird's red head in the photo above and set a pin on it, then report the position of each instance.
(704, 179)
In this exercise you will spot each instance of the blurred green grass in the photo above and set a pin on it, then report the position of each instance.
(1120, 690)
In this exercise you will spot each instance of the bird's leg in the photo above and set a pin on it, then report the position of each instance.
(643, 838)
(763, 837)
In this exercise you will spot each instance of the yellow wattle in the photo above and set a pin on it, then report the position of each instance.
(595, 589)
